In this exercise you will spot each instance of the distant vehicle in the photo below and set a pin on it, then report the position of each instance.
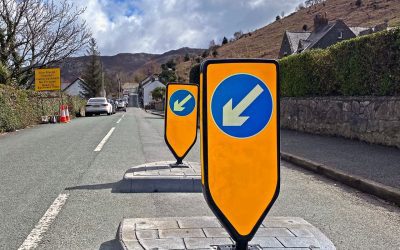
(97, 106)
(126, 101)
(121, 104)
(114, 105)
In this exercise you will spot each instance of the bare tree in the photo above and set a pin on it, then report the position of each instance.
(237, 35)
(211, 44)
(38, 33)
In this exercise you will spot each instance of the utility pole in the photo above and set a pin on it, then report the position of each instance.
(102, 84)
(119, 87)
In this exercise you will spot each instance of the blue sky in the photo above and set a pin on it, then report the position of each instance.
(156, 26)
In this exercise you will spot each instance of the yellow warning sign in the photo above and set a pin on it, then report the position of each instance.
(181, 118)
(240, 141)
(47, 79)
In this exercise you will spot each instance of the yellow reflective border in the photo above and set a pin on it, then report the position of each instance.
(180, 132)
(240, 176)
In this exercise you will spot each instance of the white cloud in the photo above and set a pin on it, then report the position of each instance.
(156, 26)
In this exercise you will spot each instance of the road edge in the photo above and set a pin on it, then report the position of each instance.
(387, 193)
(161, 113)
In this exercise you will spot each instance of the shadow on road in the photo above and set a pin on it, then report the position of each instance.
(114, 186)
(154, 118)
(110, 245)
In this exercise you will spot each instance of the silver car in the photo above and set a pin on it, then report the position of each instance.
(121, 104)
(97, 106)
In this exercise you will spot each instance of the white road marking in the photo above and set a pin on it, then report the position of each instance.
(120, 118)
(36, 235)
(101, 144)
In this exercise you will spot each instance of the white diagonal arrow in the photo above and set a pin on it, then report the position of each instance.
(178, 106)
(231, 116)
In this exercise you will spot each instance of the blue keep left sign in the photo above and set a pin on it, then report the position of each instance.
(182, 103)
(241, 105)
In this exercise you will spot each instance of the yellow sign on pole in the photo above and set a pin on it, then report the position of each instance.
(240, 142)
(47, 79)
(181, 118)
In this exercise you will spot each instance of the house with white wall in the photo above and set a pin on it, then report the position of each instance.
(146, 87)
(75, 88)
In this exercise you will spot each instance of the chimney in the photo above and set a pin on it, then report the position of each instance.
(320, 22)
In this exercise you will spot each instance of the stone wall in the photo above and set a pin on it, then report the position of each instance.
(370, 119)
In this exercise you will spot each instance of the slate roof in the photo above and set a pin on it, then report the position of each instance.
(295, 37)
(315, 36)
(303, 44)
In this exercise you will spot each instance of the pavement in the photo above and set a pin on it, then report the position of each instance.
(374, 169)
(54, 170)
(206, 232)
(370, 168)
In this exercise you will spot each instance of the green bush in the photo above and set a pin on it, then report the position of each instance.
(194, 74)
(21, 108)
(366, 65)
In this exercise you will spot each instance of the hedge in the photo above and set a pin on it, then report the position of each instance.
(20, 108)
(366, 65)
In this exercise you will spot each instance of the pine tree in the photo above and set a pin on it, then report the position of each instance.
(224, 40)
(93, 71)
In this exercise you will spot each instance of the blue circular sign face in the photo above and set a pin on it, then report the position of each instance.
(241, 105)
(182, 102)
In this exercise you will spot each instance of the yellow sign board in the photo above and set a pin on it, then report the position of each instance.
(47, 79)
(240, 141)
(181, 118)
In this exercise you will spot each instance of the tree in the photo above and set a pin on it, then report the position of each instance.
(215, 53)
(224, 40)
(194, 74)
(4, 74)
(168, 72)
(92, 74)
(158, 93)
(238, 34)
(38, 33)
(205, 53)
(186, 58)
(171, 64)
(111, 84)
(211, 44)
(358, 3)
(277, 18)
(167, 76)
(300, 7)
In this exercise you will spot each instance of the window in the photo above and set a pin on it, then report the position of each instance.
(340, 35)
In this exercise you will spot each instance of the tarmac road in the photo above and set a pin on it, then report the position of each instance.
(40, 163)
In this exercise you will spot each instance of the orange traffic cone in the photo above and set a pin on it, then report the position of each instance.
(67, 113)
(63, 118)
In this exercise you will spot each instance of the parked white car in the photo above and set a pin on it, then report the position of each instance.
(97, 106)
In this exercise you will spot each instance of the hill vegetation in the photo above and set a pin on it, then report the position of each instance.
(266, 41)
(129, 67)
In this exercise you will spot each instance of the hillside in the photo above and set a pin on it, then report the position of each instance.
(266, 41)
(124, 64)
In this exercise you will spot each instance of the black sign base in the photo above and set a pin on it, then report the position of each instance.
(233, 247)
(178, 164)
